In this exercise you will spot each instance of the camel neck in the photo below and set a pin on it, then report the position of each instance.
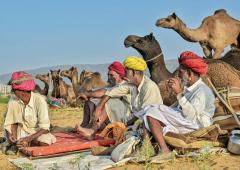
(158, 70)
(191, 35)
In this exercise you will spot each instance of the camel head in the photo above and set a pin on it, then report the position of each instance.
(83, 75)
(170, 22)
(147, 46)
(69, 73)
(43, 77)
(55, 75)
(92, 81)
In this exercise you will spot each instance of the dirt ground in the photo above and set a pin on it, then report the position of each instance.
(68, 117)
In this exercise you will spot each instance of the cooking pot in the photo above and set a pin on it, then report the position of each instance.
(234, 142)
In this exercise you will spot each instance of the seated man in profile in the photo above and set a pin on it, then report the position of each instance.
(26, 121)
(195, 103)
(117, 107)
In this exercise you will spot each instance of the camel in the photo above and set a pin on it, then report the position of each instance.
(72, 75)
(61, 89)
(91, 81)
(215, 33)
(88, 80)
(45, 79)
(221, 73)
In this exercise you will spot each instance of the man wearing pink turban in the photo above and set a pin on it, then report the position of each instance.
(193, 110)
(27, 120)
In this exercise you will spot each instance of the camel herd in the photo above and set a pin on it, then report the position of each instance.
(87, 80)
(213, 34)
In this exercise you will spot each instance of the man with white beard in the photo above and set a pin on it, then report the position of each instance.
(194, 108)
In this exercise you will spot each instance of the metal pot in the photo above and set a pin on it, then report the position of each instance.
(234, 142)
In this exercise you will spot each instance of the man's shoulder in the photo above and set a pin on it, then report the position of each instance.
(149, 83)
(38, 97)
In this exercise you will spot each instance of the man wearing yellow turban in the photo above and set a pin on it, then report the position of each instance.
(142, 90)
(135, 63)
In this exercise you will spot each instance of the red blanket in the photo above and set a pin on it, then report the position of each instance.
(66, 142)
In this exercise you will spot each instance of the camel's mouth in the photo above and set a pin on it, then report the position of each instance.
(130, 40)
(160, 23)
(37, 76)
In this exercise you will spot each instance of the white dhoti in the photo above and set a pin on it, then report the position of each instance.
(172, 118)
(117, 110)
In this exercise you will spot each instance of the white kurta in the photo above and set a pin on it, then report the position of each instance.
(194, 110)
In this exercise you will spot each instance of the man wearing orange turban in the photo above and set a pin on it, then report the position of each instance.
(194, 108)
(27, 120)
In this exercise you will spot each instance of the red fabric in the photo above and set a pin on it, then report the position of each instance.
(193, 61)
(25, 81)
(67, 142)
(118, 68)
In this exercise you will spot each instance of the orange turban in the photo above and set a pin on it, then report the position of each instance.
(191, 60)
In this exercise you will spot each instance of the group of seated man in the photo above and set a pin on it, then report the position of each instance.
(130, 95)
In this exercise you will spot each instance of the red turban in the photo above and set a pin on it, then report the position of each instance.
(194, 62)
(118, 68)
(22, 81)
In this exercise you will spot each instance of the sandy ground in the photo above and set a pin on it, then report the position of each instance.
(68, 117)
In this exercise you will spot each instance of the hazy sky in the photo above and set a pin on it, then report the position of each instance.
(54, 32)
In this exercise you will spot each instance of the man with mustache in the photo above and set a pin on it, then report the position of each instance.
(26, 121)
(194, 108)
(117, 108)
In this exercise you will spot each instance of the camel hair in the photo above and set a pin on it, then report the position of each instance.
(220, 72)
(45, 79)
(87, 80)
(61, 89)
(214, 34)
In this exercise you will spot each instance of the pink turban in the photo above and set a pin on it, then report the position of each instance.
(22, 81)
(118, 68)
(194, 62)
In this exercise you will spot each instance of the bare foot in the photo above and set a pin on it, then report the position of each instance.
(86, 132)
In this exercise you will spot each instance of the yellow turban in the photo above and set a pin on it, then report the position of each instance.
(135, 63)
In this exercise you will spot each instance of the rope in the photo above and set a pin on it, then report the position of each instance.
(154, 58)
(224, 102)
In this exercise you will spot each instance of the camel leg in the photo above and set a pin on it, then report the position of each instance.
(217, 53)
(207, 51)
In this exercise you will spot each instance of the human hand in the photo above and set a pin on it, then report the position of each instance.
(23, 142)
(12, 139)
(175, 85)
(82, 96)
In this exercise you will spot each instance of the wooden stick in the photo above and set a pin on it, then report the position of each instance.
(57, 154)
(224, 102)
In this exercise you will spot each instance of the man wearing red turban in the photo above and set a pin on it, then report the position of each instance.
(115, 108)
(194, 108)
(192, 61)
(27, 120)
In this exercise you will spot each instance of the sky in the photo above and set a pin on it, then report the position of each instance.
(41, 33)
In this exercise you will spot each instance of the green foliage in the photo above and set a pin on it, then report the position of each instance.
(26, 166)
(146, 151)
(4, 99)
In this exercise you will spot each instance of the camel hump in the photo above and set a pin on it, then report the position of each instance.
(220, 11)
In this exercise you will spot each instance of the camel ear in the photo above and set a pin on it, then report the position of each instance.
(174, 15)
(151, 35)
